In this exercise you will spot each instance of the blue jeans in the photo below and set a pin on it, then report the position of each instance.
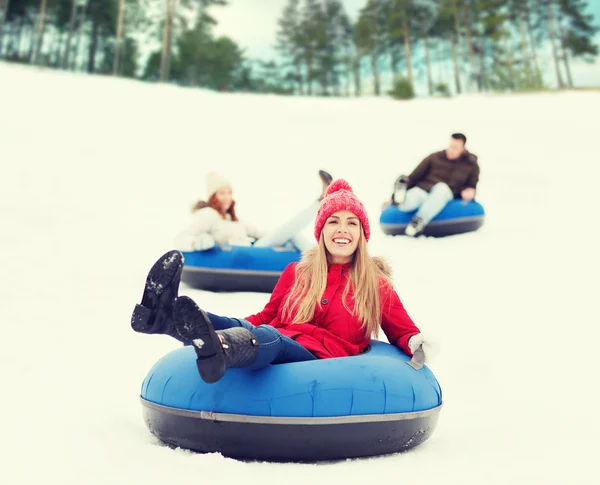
(273, 347)
(430, 204)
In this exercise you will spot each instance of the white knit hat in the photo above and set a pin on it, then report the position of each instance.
(214, 182)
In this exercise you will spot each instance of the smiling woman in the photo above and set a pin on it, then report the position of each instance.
(326, 307)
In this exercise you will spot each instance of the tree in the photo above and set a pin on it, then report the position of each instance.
(425, 13)
(41, 24)
(467, 21)
(74, 5)
(118, 40)
(332, 37)
(5, 5)
(171, 7)
(102, 15)
(403, 17)
(165, 56)
(370, 36)
(552, 34)
(445, 28)
(203, 61)
(289, 40)
(576, 31)
(529, 10)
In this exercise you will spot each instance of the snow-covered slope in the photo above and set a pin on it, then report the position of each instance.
(98, 175)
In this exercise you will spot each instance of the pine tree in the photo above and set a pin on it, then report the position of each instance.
(171, 11)
(119, 36)
(552, 34)
(402, 18)
(4, 6)
(73, 17)
(576, 31)
(371, 37)
(289, 40)
(39, 32)
(445, 29)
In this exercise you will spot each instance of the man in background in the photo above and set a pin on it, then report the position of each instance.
(442, 176)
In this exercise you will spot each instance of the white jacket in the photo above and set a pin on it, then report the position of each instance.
(208, 223)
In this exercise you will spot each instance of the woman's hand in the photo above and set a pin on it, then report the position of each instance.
(430, 348)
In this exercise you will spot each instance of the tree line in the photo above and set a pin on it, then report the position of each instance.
(486, 44)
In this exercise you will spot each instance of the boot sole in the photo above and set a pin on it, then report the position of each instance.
(325, 177)
(165, 270)
(193, 325)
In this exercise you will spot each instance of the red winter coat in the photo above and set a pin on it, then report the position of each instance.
(333, 331)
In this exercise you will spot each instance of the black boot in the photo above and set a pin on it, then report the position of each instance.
(216, 350)
(326, 178)
(155, 313)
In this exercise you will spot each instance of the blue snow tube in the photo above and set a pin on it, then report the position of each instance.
(456, 218)
(237, 268)
(329, 409)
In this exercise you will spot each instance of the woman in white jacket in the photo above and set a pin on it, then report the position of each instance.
(215, 222)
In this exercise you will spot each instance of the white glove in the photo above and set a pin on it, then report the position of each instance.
(203, 242)
(430, 348)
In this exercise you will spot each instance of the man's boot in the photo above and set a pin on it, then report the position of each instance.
(415, 227)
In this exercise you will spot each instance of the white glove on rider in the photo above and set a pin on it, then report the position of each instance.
(430, 348)
(203, 242)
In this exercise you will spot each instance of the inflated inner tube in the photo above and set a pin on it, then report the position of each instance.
(328, 409)
(456, 218)
(237, 268)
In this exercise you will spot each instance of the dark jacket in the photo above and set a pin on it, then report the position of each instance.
(458, 174)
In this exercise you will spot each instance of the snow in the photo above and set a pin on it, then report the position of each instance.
(98, 175)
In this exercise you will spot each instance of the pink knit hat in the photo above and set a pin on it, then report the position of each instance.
(339, 197)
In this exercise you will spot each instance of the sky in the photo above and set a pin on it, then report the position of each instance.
(253, 24)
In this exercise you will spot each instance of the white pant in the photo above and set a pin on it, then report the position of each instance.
(430, 204)
(290, 230)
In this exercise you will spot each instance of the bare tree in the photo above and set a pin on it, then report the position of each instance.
(524, 49)
(407, 47)
(427, 57)
(119, 38)
(455, 62)
(165, 58)
(67, 51)
(469, 36)
(5, 4)
(457, 28)
(531, 38)
(565, 54)
(80, 25)
(559, 79)
(41, 24)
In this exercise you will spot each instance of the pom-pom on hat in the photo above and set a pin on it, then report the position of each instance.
(338, 197)
(214, 182)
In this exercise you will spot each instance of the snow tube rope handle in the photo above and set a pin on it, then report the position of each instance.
(418, 359)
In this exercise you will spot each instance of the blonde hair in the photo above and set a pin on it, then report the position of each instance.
(365, 279)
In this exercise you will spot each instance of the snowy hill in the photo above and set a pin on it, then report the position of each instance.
(98, 175)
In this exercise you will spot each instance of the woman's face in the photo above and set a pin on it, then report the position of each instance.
(340, 234)
(225, 198)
